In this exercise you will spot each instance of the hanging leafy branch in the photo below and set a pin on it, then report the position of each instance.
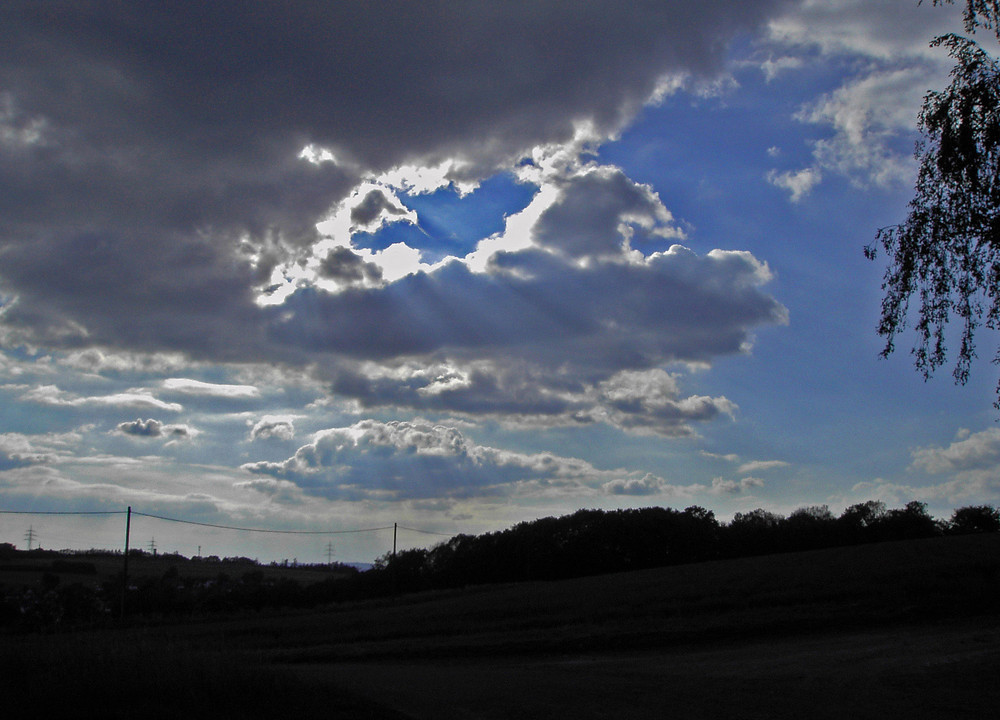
(946, 254)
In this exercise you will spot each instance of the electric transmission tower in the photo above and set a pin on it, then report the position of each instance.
(30, 536)
(152, 545)
(329, 553)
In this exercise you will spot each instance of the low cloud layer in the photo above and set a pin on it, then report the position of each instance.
(405, 460)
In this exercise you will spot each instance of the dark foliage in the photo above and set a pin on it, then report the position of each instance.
(946, 254)
(975, 519)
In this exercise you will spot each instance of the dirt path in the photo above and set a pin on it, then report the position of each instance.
(946, 670)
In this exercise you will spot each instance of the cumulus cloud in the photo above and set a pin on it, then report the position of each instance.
(721, 486)
(649, 402)
(141, 428)
(669, 306)
(969, 452)
(281, 427)
(569, 282)
(798, 183)
(648, 484)
(348, 267)
(154, 429)
(410, 460)
(376, 203)
(597, 213)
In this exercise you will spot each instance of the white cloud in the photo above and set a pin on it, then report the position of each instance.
(186, 386)
(772, 67)
(648, 484)
(883, 31)
(136, 398)
(872, 115)
(969, 487)
(969, 452)
(20, 450)
(867, 115)
(758, 465)
(798, 183)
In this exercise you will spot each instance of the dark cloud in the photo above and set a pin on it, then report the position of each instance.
(672, 306)
(151, 176)
(139, 292)
(154, 429)
(141, 428)
(598, 213)
(347, 267)
(371, 208)
(271, 426)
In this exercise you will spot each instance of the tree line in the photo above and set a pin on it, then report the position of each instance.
(591, 542)
(587, 542)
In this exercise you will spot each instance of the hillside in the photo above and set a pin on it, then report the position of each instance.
(896, 629)
(839, 588)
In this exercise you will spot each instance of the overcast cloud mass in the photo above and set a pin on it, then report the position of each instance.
(457, 265)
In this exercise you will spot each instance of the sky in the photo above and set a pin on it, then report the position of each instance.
(331, 267)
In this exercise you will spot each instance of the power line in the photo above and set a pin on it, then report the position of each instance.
(262, 530)
(220, 527)
(62, 512)
(425, 532)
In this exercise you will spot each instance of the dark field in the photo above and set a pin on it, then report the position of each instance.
(904, 629)
(93, 569)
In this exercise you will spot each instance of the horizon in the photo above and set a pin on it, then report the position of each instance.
(396, 534)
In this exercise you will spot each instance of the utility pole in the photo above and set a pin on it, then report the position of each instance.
(30, 536)
(128, 527)
(392, 563)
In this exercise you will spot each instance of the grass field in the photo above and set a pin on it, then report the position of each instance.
(905, 629)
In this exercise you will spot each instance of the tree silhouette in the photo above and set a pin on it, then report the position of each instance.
(946, 254)
(975, 519)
